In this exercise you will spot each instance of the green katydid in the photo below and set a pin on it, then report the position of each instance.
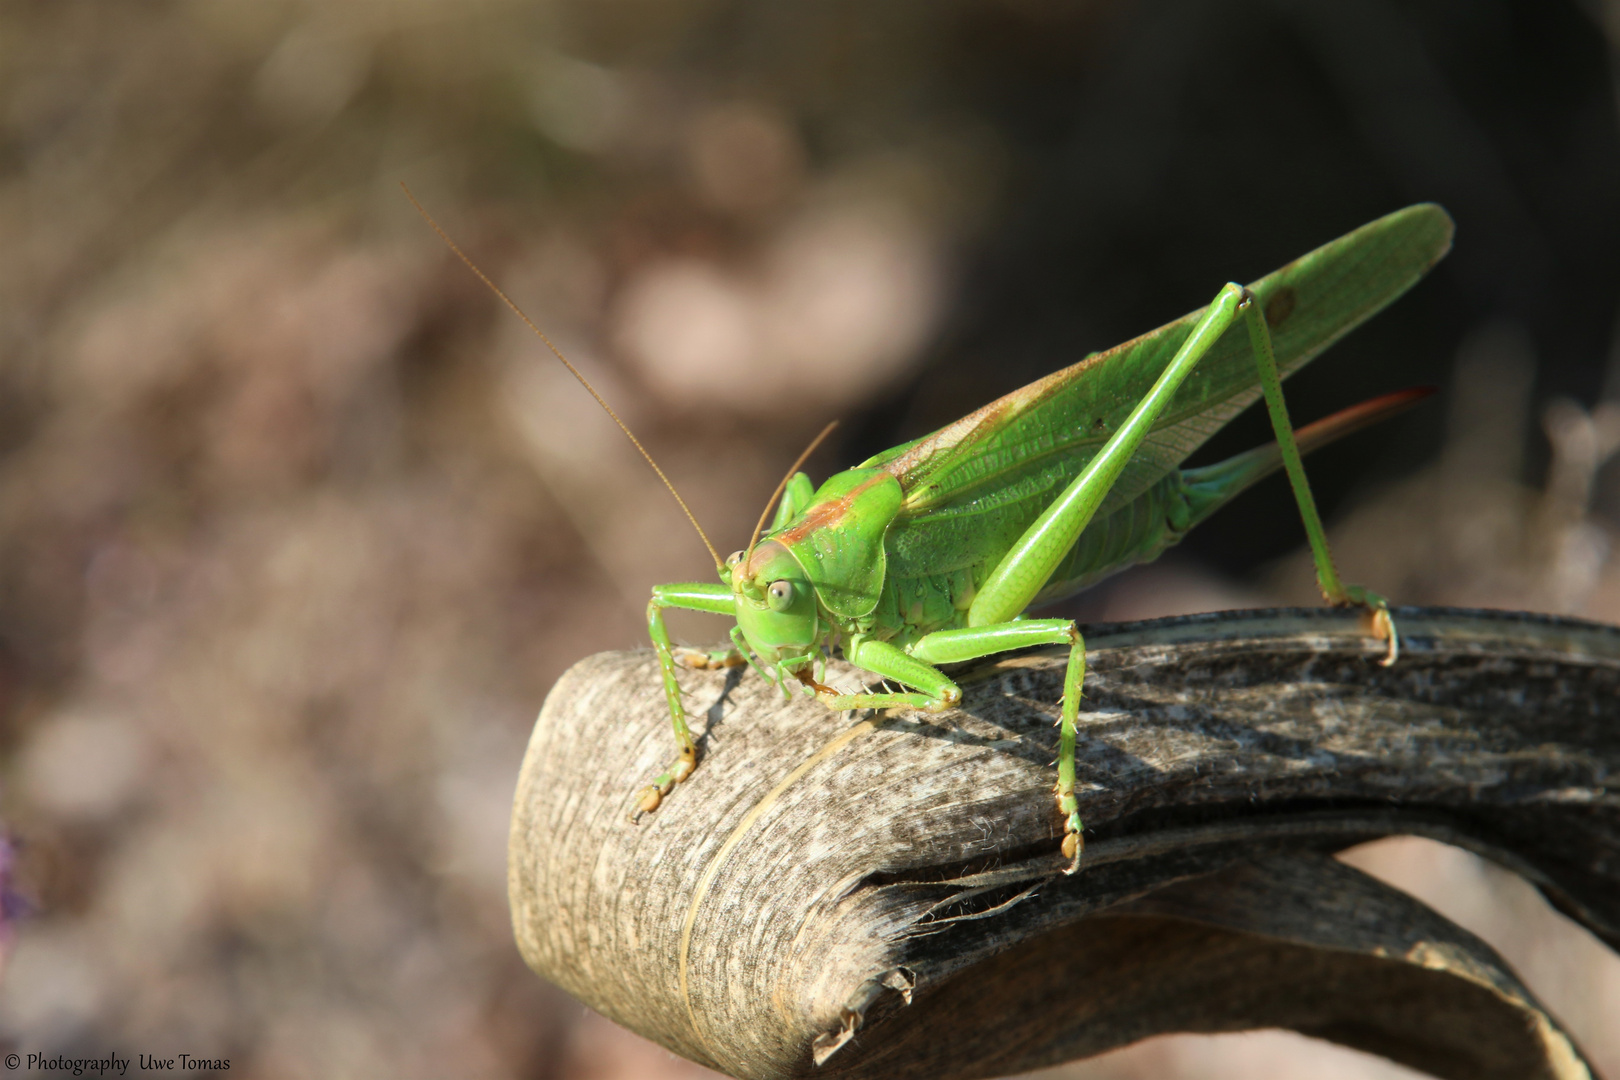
(931, 552)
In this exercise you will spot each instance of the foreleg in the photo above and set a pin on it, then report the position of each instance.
(952, 646)
(717, 600)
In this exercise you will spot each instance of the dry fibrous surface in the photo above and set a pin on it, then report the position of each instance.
(880, 895)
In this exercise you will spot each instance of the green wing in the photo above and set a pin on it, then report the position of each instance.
(1007, 460)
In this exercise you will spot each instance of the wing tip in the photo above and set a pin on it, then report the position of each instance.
(1425, 217)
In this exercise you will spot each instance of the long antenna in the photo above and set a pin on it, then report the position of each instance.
(777, 494)
(541, 334)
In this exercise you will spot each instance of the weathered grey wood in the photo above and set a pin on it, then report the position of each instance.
(879, 893)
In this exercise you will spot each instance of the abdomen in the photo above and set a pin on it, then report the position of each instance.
(930, 588)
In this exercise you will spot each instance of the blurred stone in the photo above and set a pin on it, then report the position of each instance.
(313, 73)
(744, 157)
(52, 989)
(694, 334)
(854, 292)
(580, 105)
(602, 1050)
(85, 765)
(844, 299)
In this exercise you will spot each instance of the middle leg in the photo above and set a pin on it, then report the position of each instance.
(971, 643)
(935, 691)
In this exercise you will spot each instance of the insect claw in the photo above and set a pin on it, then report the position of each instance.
(1073, 845)
(1385, 627)
(646, 801)
(1379, 622)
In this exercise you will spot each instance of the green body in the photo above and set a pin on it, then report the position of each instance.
(930, 552)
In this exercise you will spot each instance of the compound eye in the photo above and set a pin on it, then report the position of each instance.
(734, 558)
(779, 594)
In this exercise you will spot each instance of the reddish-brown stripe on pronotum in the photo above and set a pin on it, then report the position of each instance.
(827, 513)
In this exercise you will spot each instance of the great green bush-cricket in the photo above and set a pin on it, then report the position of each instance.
(930, 553)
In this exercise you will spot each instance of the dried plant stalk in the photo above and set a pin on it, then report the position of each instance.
(879, 896)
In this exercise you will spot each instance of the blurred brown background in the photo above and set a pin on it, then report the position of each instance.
(297, 527)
